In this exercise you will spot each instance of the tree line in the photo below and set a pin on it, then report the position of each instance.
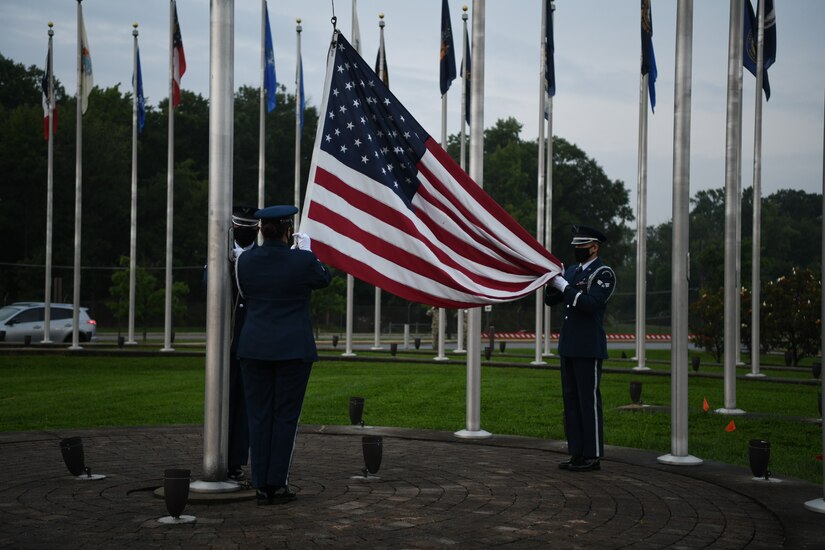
(582, 193)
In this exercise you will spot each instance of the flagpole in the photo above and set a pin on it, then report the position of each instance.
(78, 201)
(170, 186)
(459, 348)
(818, 504)
(262, 115)
(548, 188)
(539, 310)
(130, 338)
(641, 228)
(681, 201)
(473, 413)
(47, 313)
(733, 152)
(356, 40)
(221, 135)
(756, 254)
(382, 76)
(297, 186)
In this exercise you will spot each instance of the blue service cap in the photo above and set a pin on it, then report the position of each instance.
(276, 212)
(584, 234)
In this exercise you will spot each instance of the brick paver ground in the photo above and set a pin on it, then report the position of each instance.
(433, 491)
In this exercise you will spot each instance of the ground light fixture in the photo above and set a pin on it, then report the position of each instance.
(636, 393)
(356, 411)
(759, 455)
(72, 450)
(176, 495)
(373, 449)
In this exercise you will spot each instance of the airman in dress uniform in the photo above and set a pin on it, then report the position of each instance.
(244, 233)
(276, 346)
(585, 289)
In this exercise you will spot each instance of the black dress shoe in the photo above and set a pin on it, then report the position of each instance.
(281, 495)
(235, 473)
(565, 464)
(585, 465)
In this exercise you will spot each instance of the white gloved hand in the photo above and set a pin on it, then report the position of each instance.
(303, 241)
(236, 251)
(559, 283)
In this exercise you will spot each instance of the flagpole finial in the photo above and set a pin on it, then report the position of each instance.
(51, 32)
(464, 8)
(298, 26)
(134, 29)
(381, 20)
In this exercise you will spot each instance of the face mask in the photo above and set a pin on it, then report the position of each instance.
(581, 254)
(245, 236)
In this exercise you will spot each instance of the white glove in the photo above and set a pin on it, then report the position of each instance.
(559, 283)
(302, 241)
(236, 251)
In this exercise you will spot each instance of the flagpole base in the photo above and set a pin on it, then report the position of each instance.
(538, 363)
(816, 505)
(640, 368)
(377, 348)
(166, 350)
(755, 375)
(348, 354)
(730, 411)
(473, 434)
(441, 358)
(688, 460)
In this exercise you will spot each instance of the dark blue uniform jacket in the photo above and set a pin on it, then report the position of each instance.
(277, 282)
(582, 333)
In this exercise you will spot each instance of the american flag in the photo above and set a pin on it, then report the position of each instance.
(386, 204)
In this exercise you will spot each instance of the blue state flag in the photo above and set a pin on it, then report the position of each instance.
(750, 35)
(447, 53)
(648, 58)
(300, 83)
(550, 51)
(270, 84)
(467, 76)
(141, 101)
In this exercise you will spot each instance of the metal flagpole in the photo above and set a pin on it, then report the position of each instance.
(818, 504)
(170, 186)
(641, 228)
(539, 311)
(732, 200)
(442, 314)
(297, 188)
(262, 118)
(381, 63)
(130, 339)
(679, 278)
(548, 195)
(459, 329)
(47, 313)
(78, 182)
(356, 41)
(473, 420)
(756, 254)
(221, 134)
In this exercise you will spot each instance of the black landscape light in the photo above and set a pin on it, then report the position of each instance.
(356, 410)
(176, 495)
(695, 363)
(373, 448)
(502, 346)
(335, 340)
(816, 369)
(120, 341)
(759, 454)
(393, 348)
(417, 343)
(72, 450)
(636, 393)
(487, 352)
(27, 340)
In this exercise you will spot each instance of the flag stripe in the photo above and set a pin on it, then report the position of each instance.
(178, 59)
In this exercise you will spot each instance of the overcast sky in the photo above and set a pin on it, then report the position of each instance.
(597, 72)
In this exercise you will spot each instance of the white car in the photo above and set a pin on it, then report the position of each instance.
(22, 319)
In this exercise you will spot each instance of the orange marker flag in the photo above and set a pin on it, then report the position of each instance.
(730, 427)
(705, 406)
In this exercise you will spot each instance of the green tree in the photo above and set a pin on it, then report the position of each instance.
(145, 285)
(791, 313)
(708, 322)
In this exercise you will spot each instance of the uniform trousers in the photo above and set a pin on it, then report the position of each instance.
(583, 420)
(238, 425)
(274, 397)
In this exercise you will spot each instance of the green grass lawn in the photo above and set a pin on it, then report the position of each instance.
(50, 392)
